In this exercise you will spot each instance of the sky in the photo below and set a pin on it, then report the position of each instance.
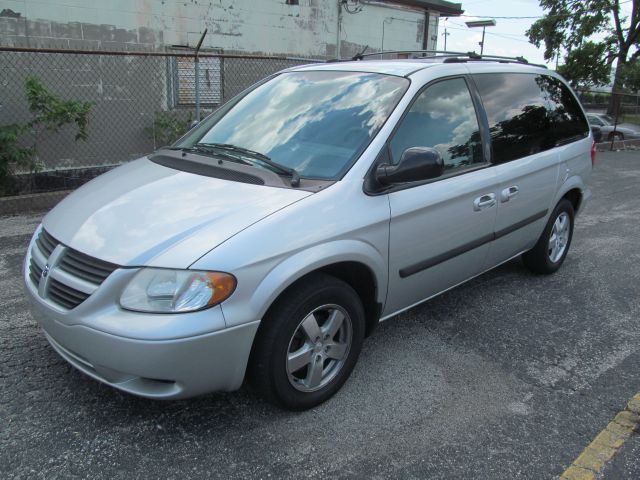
(507, 38)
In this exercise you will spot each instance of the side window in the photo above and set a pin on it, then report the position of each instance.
(517, 112)
(442, 117)
(528, 113)
(566, 117)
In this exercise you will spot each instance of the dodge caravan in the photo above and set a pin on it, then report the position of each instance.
(268, 242)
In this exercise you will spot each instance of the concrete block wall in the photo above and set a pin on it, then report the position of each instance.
(126, 92)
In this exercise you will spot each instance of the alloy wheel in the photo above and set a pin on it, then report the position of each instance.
(559, 237)
(319, 348)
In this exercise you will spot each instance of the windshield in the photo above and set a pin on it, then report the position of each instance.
(607, 119)
(315, 122)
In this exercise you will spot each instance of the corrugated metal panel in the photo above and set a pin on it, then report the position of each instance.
(210, 80)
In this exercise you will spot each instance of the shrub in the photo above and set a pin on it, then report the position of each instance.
(167, 127)
(49, 112)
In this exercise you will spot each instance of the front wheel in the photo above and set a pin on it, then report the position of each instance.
(551, 249)
(308, 343)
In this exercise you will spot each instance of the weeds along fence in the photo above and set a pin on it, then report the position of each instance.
(138, 102)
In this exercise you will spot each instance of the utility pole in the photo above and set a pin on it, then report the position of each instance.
(445, 35)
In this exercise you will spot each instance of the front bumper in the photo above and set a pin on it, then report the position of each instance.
(151, 355)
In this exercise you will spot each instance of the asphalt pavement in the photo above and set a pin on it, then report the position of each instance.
(508, 376)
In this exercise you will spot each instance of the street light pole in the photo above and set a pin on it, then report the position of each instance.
(484, 24)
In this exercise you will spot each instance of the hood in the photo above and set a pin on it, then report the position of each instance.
(143, 213)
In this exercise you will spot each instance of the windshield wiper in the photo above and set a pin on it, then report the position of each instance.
(203, 149)
(261, 157)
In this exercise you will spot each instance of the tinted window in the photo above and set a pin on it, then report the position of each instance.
(565, 116)
(442, 117)
(316, 122)
(528, 113)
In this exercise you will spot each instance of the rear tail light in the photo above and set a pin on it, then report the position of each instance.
(593, 154)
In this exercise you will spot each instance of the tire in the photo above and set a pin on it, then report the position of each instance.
(618, 136)
(543, 258)
(281, 366)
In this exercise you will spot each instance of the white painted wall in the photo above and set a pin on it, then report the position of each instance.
(249, 26)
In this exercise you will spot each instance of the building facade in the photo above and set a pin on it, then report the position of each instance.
(302, 28)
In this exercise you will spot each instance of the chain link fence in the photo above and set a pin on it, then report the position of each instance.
(138, 102)
(628, 104)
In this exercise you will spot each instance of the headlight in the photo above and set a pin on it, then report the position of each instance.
(175, 291)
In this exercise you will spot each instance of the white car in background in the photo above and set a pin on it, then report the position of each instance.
(610, 131)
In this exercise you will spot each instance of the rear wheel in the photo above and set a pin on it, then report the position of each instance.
(551, 249)
(308, 344)
(616, 136)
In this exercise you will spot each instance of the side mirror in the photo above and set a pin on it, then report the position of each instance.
(416, 163)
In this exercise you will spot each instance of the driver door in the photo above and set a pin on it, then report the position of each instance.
(441, 229)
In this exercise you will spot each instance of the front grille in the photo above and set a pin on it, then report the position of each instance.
(35, 272)
(64, 295)
(46, 243)
(80, 272)
(86, 267)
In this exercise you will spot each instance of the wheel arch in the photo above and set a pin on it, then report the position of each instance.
(573, 189)
(355, 262)
(575, 197)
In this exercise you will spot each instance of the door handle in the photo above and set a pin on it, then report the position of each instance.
(484, 201)
(508, 193)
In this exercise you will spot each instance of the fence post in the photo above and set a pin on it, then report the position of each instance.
(615, 123)
(197, 73)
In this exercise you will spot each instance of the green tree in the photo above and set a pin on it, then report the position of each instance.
(593, 34)
(52, 113)
(49, 112)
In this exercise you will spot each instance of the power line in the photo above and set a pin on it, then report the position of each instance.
(526, 17)
(503, 18)
(503, 35)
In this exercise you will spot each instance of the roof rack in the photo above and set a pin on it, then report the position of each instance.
(452, 57)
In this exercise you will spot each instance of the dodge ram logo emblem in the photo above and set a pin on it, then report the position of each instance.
(45, 271)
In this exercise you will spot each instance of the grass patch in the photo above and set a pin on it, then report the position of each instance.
(629, 118)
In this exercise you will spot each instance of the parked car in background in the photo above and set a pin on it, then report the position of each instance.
(274, 236)
(611, 131)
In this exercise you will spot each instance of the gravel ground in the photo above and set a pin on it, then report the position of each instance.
(508, 376)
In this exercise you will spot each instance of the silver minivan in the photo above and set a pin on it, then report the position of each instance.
(272, 238)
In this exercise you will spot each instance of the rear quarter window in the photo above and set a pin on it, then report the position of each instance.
(529, 113)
